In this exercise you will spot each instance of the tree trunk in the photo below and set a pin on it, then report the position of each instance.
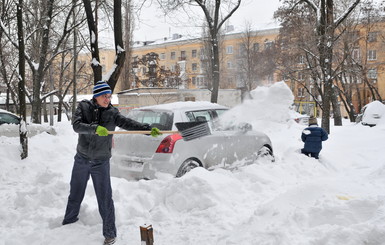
(39, 74)
(128, 27)
(93, 30)
(75, 61)
(336, 109)
(21, 85)
(119, 45)
(215, 67)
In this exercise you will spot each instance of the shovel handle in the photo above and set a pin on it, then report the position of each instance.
(141, 132)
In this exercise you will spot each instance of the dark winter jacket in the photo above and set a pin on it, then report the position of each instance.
(313, 137)
(87, 117)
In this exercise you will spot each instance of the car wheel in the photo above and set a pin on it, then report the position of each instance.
(265, 153)
(187, 166)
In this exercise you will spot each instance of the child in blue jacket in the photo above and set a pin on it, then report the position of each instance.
(313, 137)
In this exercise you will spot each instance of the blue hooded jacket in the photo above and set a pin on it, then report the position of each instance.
(313, 137)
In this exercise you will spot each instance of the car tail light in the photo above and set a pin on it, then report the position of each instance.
(168, 143)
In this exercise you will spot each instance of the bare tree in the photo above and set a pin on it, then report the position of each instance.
(43, 43)
(8, 59)
(357, 77)
(247, 58)
(156, 76)
(23, 124)
(325, 25)
(127, 73)
(216, 13)
(120, 53)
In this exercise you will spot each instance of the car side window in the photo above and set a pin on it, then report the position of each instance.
(220, 111)
(159, 119)
(198, 116)
(7, 118)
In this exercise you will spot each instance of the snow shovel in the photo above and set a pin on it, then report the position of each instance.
(188, 130)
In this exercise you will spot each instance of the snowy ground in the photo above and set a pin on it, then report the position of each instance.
(339, 199)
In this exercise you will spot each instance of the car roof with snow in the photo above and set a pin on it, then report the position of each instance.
(184, 105)
(8, 112)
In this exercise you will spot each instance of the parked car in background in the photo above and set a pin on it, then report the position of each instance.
(9, 126)
(142, 156)
(371, 114)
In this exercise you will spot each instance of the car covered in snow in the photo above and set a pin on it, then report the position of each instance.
(371, 114)
(137, 156)
(9, 126)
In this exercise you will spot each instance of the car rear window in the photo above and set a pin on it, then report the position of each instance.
(163, 120)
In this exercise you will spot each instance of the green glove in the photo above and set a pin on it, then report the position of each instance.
(101, 131)
(155, 132)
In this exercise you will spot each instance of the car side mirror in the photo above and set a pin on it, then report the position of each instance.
(244, 127)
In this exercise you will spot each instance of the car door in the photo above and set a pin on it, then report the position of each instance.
(243, 145)
(211, 149)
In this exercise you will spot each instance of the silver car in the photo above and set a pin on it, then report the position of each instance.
(142, 156)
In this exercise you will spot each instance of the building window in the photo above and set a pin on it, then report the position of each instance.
(229, 64)
(256, 47)
(354, 36)
(372, 73)
(372, 55)
(356, 54)
(229, 49)
(182, 55)
(173, 55)
(194, 66)
(372, 37)
(301, 93)
(194, 53)
(301, 59)
(242, 49)
(200, 81)
(162, 56)
(301, 77)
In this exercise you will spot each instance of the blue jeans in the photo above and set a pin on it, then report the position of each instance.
(100, 174)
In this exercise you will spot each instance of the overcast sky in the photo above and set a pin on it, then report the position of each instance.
(154, 25)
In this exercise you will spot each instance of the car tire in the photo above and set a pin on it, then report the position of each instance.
(187, 166)
(266, 153)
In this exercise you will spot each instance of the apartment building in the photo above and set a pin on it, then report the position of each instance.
(187, 57)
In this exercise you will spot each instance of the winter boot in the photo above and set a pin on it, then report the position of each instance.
(109, 241)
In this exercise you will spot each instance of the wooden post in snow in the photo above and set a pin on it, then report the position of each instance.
(146, 235)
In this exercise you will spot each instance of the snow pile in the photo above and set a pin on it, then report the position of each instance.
(266, 110)
(297, 200)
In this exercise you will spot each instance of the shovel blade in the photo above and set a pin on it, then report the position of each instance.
(193, 130)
